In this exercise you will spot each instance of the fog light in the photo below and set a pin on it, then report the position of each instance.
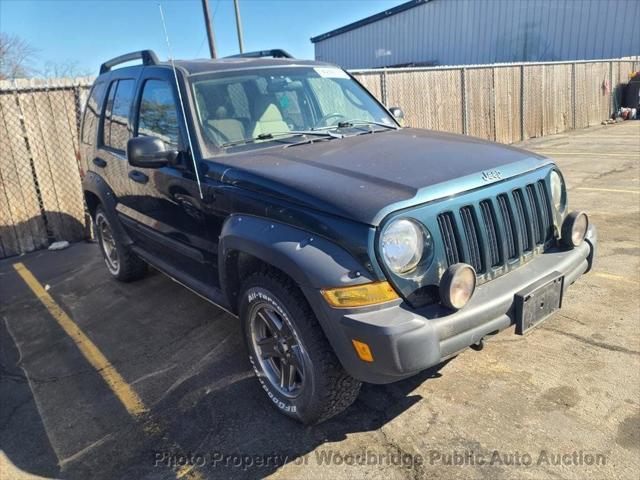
(457, 285)
(574, 229)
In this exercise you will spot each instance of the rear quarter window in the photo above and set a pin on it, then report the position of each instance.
(92, 113)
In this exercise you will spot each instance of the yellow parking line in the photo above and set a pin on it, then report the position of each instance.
(617, 278)
(610, 137)
(186, 470)
(94, 356)
(125, 393)
(586, 154)
(612, 190)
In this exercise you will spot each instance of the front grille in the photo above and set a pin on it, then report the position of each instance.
(495, 231)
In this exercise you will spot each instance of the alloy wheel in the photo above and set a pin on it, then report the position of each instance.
(277, 349)
(108, 245)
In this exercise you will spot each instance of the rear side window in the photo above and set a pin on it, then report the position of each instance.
(158, 113)
(116, 131)
(92, 113)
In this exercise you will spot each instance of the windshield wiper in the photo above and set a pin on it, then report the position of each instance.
(273, 136)
(355, 123)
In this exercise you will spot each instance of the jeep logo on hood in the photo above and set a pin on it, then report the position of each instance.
(489, 175)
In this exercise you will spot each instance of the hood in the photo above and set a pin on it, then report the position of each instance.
(365, 177)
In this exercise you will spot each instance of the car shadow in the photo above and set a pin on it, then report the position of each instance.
(237, 433)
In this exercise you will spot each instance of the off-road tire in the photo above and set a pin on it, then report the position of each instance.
(327, 388)
(130, 267)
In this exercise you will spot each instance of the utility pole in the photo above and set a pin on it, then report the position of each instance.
(207, 22)
(238, 25)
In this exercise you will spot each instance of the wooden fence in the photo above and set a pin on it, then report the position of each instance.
(40, 195)
(40, 192)
(505, 103)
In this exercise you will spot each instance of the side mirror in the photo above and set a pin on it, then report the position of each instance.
(398, 114)
(149, 152)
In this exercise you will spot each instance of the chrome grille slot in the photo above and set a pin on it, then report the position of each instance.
(536, 220)
(509, 226)
(523, 221)
(472, 238)
(449, 237)
(491, 228)
(545, 211)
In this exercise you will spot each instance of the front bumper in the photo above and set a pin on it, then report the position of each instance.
(405, 341)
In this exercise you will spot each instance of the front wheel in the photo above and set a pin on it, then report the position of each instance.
(290, 355)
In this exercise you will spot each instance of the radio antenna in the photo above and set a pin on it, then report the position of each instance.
(184, 114)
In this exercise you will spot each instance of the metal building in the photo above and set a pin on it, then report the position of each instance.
(460, 32)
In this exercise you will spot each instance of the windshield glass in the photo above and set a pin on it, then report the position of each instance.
(264, 104)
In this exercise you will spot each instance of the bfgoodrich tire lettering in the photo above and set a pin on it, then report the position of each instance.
(320, 388)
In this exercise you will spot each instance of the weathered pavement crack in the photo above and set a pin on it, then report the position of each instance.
(594, 343)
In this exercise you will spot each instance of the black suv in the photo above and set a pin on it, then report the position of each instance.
(350, 248)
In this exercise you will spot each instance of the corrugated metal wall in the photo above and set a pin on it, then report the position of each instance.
(463, 32)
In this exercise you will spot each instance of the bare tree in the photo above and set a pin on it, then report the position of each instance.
(16, 55)
(66, 69)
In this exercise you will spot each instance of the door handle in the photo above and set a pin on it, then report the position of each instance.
(137, 176)
(98, 162)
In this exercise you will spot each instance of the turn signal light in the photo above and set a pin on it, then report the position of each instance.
(363, 350)
(360, 295)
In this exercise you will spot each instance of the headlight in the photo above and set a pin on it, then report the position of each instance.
(557, 191)
(403, 244)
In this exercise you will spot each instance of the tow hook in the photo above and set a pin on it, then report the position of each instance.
(478, 346)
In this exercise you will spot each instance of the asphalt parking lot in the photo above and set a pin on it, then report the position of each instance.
(568, 392)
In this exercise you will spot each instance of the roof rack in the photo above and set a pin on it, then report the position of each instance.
(148, 57)
(275, 53)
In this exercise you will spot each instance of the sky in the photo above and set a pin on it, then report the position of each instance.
(88, 32)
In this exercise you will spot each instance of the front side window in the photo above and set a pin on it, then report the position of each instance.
(255, 105)
(116, 131)
(158, 113)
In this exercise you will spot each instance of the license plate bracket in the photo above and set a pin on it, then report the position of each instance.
(538, 301)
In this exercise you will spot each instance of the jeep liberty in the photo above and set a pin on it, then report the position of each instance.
(350, 248)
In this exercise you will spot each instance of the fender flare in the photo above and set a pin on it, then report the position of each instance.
(95, 184)
(309, 259)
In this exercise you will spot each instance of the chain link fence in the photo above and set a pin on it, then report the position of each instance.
(40, 194)
(41, 198)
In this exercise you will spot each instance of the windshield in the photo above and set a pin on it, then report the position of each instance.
(254, 106)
